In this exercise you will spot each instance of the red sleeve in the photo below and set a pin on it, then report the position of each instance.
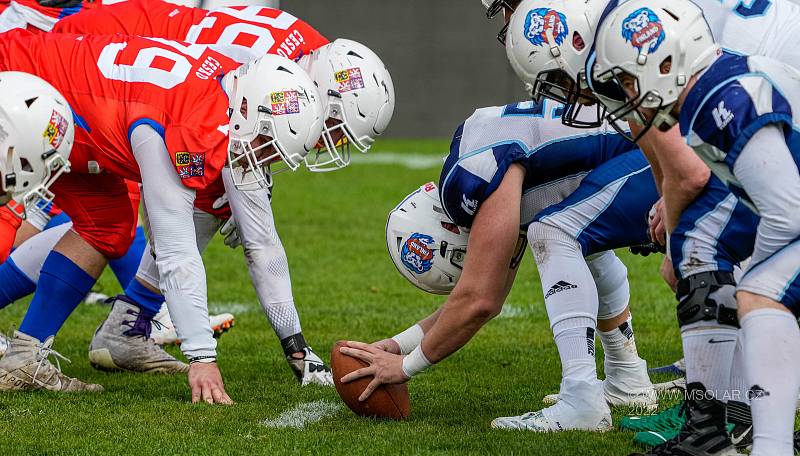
(9, 224)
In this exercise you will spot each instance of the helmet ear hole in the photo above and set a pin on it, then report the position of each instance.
(665, 67)
(25, 165)
(243, 108)
(577, 42)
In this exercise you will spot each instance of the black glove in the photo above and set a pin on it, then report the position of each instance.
(647, 249)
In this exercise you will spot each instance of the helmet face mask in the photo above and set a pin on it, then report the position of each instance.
(359, 101)
(556, 85)
(275, 119)
(36, 137)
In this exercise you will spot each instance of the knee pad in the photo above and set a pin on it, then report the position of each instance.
(707, 296)
(611, 277)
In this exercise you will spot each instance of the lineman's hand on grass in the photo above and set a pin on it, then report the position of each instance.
(205, 380)
(384, 367)
(388, 345)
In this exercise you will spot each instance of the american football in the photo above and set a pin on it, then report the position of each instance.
(388, 401)
(558, 227)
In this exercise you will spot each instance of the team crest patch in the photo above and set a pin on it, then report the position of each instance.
(417, 253)
(541, 20)
(55, 130)
(286, 102)
(190, 164)
(349, 79)
(643, 27)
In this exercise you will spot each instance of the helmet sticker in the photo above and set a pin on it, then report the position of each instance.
(643, 27)
(349, 79)
(540, 20)
(286, 102)
(55, 130)
(417, 253)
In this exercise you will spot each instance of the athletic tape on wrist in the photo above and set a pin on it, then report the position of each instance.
(203, 359)
(409, 339)
(415, 362)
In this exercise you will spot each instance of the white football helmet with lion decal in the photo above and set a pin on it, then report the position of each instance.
(425, 245)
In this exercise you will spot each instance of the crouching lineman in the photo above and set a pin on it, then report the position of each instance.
(358, 101)
(169, 129)
(737, 113)
(575, 193)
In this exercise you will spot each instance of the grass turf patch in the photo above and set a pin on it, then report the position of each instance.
(345, 287)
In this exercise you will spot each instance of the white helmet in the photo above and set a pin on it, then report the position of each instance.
(547, 44)
(661, 44)
(36, 137)
(359, 100)
(425, 245)
(271, 97)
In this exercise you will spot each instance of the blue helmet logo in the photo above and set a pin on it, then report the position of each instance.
(643, 28)
(541, 20)
(417, 253)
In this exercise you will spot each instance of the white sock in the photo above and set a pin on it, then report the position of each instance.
(619, 344)
(708, 351)
(738, 387)
(575, 341)
(771, 341)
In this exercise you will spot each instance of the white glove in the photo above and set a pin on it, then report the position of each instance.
(230, 232)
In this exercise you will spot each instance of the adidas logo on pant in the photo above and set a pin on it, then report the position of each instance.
(559, 287)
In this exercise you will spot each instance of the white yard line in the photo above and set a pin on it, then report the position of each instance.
(303, 414)
(234, 308)
(411, 161)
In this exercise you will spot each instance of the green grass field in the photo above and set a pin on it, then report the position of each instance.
(345, 287)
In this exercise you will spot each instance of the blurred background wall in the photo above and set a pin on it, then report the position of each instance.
(442, 54)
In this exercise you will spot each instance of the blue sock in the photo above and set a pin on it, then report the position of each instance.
(57, 220)
(62, 286)
(125, 268)
(148, 302)
(14, 284)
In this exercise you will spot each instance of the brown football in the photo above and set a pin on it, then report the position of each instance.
(388, 401)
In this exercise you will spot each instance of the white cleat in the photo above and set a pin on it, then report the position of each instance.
(629, 386)
(679, 384)
(589, 413)
(311, 370)
(625, 386)
(163, 331)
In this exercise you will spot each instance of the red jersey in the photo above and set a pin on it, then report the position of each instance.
(30, 15)
(115, 83)
(242, 33)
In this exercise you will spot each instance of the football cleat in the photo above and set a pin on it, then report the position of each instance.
(163, 331)
(705, 432)
(624, 387)
(96, 298)
(310, 370)
(581, 408)
(122, 342)
(3, 345)
(672, 385)
(669, 420)
(26, 366)
(678, 369)
(627, 386)
(654, 438)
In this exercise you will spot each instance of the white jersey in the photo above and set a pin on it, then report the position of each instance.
(556, 157)
(756, 27)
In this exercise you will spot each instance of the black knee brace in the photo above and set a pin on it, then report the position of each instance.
(707, 296)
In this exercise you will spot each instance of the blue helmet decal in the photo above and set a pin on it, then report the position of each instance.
(417, 253)
(540, 20)
(643, 28)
